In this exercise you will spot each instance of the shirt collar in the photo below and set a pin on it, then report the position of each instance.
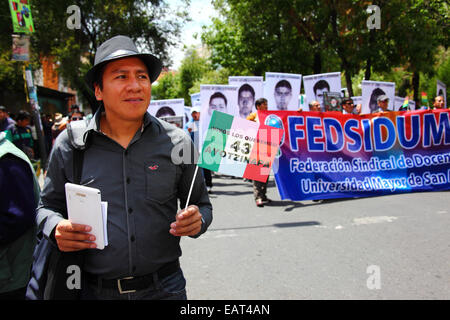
(94, 124)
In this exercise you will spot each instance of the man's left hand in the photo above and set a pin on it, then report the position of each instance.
(188, 222)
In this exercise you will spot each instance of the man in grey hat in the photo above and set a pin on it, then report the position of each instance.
(383, 103)
(129, 157)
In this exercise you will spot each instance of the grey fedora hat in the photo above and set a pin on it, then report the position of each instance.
(122, 47)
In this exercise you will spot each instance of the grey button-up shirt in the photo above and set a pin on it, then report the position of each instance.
(142, 185)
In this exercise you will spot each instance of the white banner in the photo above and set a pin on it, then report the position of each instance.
(357, 100)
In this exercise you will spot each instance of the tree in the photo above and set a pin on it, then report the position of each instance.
(167, 86)
(149, 23)
(192, 69)
(257, 36)
(305, 36)
(11, 72)
(418, 31)
(180, 84)
(219, 76)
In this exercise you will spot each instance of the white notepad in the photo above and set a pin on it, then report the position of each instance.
(84, 206)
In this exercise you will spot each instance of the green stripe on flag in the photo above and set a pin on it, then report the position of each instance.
(215, 141)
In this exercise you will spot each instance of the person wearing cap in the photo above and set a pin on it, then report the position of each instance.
(129, 157)
(349, 107)
(383, 103)
(6, 122)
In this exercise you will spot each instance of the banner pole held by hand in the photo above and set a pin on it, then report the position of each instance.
(192, 185)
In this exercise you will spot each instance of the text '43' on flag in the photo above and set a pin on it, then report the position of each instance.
(239, 147)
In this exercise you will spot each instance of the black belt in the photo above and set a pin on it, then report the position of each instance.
(132, 284)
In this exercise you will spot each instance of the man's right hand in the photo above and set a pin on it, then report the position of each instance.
(73, 237)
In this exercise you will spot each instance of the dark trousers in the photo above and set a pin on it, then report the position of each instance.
(208, 177)
(172, 287)
(18, 294)
(260, 189)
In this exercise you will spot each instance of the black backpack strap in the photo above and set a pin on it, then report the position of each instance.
(77, 135)
(78, 158)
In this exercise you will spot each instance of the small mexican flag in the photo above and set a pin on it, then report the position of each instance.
(405, 105)
(239, 147)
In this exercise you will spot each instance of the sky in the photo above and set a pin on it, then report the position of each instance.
(201, 12)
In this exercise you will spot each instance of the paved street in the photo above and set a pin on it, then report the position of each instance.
(391, 247)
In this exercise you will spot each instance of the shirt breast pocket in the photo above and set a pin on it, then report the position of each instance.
(160, 182)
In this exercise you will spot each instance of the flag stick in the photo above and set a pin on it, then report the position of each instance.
(192, 185)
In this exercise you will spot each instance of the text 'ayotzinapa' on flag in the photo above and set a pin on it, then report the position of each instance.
(238, 147)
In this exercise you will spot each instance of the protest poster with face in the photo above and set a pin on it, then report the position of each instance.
(187, 114)
(371, 90)
(195, 99)
(357, 100)
(282, 90)
(441, 90)
(222, 98)
(317, 84)
(250, 90)
(166, 108)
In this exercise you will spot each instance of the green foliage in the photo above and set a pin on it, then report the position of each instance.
(192, 69)
(167, 87)
(305, 36)
(428, 84)
(11, 72)
(257, 36)
(219, 76)
(150, 23)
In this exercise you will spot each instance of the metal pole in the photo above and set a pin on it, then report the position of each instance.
(32, 95)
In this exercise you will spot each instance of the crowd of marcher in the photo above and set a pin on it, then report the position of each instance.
(21, 130)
